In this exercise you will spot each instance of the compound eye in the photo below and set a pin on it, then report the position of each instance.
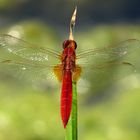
(66, 43)
(75, 45)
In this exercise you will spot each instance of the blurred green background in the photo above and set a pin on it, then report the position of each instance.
(109, 112)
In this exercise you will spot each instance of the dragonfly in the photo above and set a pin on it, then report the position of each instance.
(25, 57)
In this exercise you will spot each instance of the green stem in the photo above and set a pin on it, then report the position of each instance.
(71, 128)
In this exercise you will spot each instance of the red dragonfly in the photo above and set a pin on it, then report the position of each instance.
(25, 56)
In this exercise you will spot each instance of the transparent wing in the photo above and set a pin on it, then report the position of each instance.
(25, 49)
(25, 60)
(25, 70)
(117, 52)
(102, 66)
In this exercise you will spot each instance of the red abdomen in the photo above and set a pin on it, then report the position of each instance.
(66, 96)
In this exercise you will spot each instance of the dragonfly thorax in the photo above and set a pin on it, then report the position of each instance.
(68, 59)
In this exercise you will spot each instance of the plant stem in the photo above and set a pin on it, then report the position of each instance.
(71, 128)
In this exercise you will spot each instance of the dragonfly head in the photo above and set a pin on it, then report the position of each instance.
(69, 43)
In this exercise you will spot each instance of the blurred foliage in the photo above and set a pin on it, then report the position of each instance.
(58, 12)
(116, 119)
(4, 4)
